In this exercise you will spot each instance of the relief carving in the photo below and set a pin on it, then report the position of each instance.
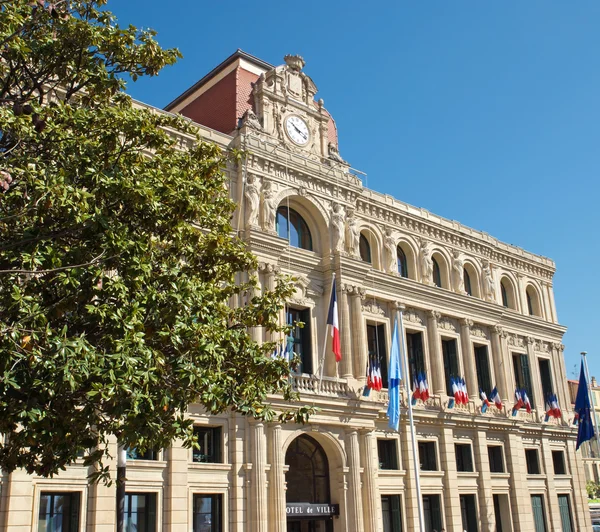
(373, 307)
(413, 316)
(447, 324)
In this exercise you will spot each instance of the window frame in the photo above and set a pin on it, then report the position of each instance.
(149, 495)
(436, 276)
(467, 282)
(523, 380)
(395, 514)
(219, 438)
(402, 262)
(450, 370)
(559, 454)
(379, 341)
(479, 370)
(388, 447)
(493, 461)
(77, 495)
(429, 445)
(304, 341)
(415, 353)
(219, 497)
(529, 454)
(463, 453)
(305, 240)
(364, 249)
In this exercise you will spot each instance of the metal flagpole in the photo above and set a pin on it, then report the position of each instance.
(411, 420)
(322, 364)
(591, 393)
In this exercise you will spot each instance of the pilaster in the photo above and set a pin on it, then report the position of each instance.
(435, 353)
(355, 507)
(410, 498)
(370, 491)
(469, 358)
(487, 517)
(176, 493)
(500, 357)
(579, 499)
(520, 499)
(346, 362)
(539, 401)
(258, 507)
(277, 482)
(359, 337)
(451, 495)
(552, 513)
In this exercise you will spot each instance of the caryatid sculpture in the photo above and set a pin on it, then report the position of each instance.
(252, 195)
(458, 272)
(269, 207)
(392, 254)
(352, 234)
(338, 224)
(426, 262)
(489, 287)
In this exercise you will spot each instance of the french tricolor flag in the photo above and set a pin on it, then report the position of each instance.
(332, 319)
(495, 398)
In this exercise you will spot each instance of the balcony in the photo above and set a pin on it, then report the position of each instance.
(330, 386)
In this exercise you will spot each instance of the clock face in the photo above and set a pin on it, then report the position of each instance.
(297, 130)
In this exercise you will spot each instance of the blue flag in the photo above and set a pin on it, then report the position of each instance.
(583, 411)
(393, 411)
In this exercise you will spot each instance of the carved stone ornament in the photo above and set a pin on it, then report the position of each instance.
(300, 296)
(267, 267)
(434, 314)
(426, 263)
(479, 332)
(489, 288)
(372, 307)
(413, 316)
(334, 154)
(516, 341)
(389, 242)
(352, 289)
(352, 234)
(447, 324)
(458, 272)
(269, 207)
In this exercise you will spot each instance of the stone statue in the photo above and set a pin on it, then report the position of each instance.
(458, 271)
(337, 224)
(390, 245)
(334, 153)
(269, 207)
(353, 234)
(252, 195)
(250, 119)
(489, 288)
(426, 262)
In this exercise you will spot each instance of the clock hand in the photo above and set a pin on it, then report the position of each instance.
(299, 131)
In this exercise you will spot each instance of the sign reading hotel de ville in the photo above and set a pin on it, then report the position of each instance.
(305, 509)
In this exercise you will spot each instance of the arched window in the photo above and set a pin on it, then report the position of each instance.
(529, 304)
(308, 471)
(504, 294)
(402, 263)
(437, 274)
(292, 227)
(467, 281)
(365, 249)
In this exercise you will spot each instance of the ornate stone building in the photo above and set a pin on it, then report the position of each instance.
(473, 307)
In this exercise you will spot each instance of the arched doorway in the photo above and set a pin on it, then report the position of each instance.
(308, 502)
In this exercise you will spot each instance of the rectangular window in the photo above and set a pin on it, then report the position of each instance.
(427, 456)
(301, 336)
(140, 512)
(377, 350)
(387, 451)
(134, 454)
(59, 512)
(209, 441)
(414, 349)
(497, 512)
(533, 465)
(208, 513)
(546, 378)
(392, 513)
(468, 513)
(539, 513)
(450, 363)
(432, 512)
(482, 366)
(558, 460)
(496, 459)
(464, 458)
(523, 375)
(564, 507)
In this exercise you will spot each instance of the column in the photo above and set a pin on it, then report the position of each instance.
(277, 483)
(258, 507)
(560, 380)
(485, 501)
(500, 360)
(520, 500)
(176, 494)
(451, 495)
(538, 401)
(438, 385)
(370, 491)
(469, 358)
(547, 312)
(355, 510)
(553, 316)
(346, 363)
(359, 339)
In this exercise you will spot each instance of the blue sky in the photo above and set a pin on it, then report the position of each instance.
(483, 112)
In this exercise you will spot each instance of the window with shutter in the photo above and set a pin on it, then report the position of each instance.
(539, 517)
(392, 514)
(564, 507)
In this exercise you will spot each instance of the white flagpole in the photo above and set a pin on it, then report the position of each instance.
(322, 362)
(413, 438)
(591, 395)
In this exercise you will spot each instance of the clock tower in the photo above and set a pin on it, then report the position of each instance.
(245, 95)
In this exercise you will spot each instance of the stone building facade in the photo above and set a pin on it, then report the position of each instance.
(472, 306)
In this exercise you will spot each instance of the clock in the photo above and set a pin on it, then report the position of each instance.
(297, 130)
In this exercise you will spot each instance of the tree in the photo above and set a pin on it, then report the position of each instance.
(117, 258)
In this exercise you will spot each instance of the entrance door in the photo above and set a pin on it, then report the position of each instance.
(310, 525)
